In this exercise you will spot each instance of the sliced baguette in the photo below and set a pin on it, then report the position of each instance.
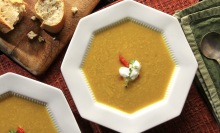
(11, 12)
(51, 13)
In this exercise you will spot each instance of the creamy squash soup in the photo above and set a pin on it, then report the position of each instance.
(128, 66)
(19, 115)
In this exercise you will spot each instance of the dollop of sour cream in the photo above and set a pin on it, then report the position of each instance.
(131, 72)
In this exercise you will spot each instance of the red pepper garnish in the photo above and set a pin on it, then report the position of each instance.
(123, 61)
(20, 130)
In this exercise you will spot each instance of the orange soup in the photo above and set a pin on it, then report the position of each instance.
(18, 112)
(134, 42)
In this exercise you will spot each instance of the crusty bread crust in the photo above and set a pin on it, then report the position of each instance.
(51, 13)
(4, 27)
(11, 12)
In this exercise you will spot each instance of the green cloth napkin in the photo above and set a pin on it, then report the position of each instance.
(196, 21)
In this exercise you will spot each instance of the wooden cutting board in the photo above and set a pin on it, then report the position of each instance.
(37, 56)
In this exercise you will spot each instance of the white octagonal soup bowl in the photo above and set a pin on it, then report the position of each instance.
(50, 97)
(150, 116)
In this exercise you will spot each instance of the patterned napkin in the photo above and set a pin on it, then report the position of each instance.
(196, 21)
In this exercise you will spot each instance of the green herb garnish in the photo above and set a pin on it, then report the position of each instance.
(12, 131)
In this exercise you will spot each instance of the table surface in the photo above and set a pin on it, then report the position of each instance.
(195, 117)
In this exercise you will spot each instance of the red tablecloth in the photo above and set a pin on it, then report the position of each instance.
(195, 117)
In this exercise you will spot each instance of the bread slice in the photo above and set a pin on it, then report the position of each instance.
(51, 13)
(11, 12)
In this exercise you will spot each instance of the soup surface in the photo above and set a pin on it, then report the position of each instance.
(32, 117)
(134, 42)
